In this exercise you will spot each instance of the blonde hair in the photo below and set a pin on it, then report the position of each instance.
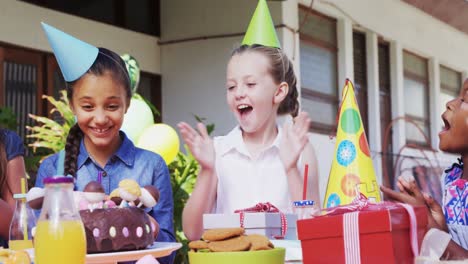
(281, 69)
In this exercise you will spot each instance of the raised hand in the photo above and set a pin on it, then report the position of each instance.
(436, 211)
(411, 194)
(199, 143)
(293, 140)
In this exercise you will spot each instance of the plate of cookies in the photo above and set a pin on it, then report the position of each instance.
(231, 245)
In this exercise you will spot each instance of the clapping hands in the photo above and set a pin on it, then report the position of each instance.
(411, 194)
(294, 139)
(200, 144)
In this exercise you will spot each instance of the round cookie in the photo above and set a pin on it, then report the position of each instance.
(259, 242)
(240, 243)
(198, 244)
(222, 233)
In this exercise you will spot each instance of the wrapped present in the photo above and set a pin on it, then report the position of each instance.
(364, 233)
(263, 218)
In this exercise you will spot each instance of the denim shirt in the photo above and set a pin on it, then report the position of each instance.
(13, 148)
(129, 162)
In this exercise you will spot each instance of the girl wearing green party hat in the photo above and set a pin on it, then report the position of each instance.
(258, 161)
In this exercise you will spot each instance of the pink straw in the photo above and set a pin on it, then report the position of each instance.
(306, 173)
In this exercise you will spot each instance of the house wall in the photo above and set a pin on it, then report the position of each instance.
(198, 36)
(20, 25)
(194, 71)
(405, 28)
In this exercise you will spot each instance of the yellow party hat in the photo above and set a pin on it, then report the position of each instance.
(352, 171)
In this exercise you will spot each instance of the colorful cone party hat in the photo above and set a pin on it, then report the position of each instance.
(74, 56)
(261, 29)
(352, 170)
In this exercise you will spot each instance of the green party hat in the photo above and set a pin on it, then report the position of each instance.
(261, 29)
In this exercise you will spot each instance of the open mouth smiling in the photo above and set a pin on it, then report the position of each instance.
(101, 130)
(446, 124)
(244, 109)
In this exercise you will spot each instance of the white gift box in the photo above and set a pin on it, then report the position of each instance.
(268, 224)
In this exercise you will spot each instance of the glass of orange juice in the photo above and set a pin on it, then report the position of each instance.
(60, 235)
(21, 225)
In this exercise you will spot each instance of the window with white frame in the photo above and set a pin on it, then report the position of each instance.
(416, 99)
(450, 84)
(318, 51)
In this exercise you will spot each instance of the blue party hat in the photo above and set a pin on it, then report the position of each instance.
(74, 56)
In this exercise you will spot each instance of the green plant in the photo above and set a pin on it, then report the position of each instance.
(8, 118)
(183, 171)
(48, 135)
(209, 127)
(51, 134)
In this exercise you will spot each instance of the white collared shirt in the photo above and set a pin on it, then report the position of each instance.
(242, 181)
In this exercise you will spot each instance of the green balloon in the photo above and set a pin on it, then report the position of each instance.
(133, 71)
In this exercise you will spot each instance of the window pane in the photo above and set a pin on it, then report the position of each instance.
(359, 58)
(141, 16)
(20, 84)
(415, 65)
(384, 68)
(150, 88)
(450, 80)
(317, 27)
(318, 57)
(414, 134)
(319, 111)
(444, 98)
(416, 98)
(360, 76)
(318, 69)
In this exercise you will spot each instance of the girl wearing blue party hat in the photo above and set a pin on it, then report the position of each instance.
(258, 161)
(98, 89)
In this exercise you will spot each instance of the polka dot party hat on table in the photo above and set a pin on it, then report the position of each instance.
(352, 171)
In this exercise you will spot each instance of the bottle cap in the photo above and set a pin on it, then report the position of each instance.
(19, 196)
(58, 179)
(304, 203)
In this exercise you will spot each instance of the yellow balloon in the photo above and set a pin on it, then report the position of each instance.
(161, 139)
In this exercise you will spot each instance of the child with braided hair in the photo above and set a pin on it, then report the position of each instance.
(452, 216)
(99, 95)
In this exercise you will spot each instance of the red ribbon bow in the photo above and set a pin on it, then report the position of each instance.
(359, 202)
(259, 208)
(264, 208)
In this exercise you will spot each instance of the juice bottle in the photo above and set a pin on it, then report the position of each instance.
(60, 235)
(21, 225)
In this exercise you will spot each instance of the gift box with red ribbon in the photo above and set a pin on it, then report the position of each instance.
(365, 233)
(263, 218)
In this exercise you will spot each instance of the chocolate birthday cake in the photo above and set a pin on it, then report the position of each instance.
(116, 222)
(116, 229)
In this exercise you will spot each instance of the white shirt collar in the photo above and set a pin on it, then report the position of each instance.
(234, 141)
